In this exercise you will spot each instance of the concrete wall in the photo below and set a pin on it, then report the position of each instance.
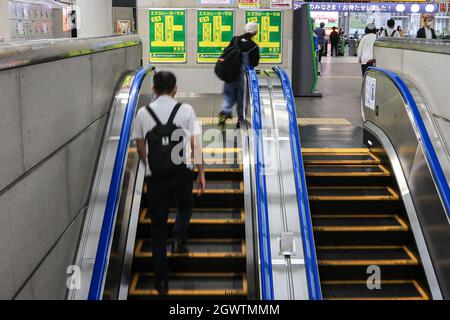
(53, 117)
(4, 20)
(200, 78)
(429, 71)
(94, 18)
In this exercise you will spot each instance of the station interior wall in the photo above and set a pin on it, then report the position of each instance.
(200, 78)
(429, 71)
(94, 18)
(52, 124)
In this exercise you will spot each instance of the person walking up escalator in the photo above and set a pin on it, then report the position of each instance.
(248, 51)
(160, 130)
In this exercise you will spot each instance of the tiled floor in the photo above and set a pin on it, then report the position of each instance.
(340, 85)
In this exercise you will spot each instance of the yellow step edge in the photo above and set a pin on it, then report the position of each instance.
(336, 150)
(383, 172)
(402, 225)
(421, 291)
(225, 292)
(197, 255)
(393, 197)
(144, 220)
(222, 191)
(361, 262)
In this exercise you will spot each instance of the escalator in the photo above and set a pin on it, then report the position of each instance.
(215, 266)
(359, 221)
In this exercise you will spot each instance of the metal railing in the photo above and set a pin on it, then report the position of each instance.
(428, 149)
(265, 255)
(101, 259)
(307, 234)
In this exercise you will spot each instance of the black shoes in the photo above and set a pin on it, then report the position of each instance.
(179, 248)
(162, 286)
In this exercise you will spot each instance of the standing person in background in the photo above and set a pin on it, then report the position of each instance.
(234, 91)
(320, 32)
(390, 32)
(334, 39)
(365, 48)
(400, 31)
(427, 31)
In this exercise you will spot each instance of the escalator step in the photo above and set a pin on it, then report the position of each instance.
(202, 216)
(338, 156)
(358, 290)
(222, 187)
(346, 171)
(193, 285)
(358, 223)
(217, 187)
(365, 255)
(332, 193)
(204, 248)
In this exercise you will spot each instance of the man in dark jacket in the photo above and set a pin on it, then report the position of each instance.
(427, 32)
(334, 39)
(234, 91)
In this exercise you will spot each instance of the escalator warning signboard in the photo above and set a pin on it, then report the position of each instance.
(215, 30)
(167, 36)
(370, 92)
(269, 37)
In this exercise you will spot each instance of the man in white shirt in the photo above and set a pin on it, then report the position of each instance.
(168, 179)
(365, 48)
(390, 32)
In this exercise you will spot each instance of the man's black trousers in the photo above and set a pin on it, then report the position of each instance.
(165, 193)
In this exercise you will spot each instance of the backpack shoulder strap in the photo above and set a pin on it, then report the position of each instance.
(393, 33)
(385, 32)
(153, 115)
(174, 113)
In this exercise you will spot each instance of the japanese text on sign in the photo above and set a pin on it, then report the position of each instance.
(167, 36)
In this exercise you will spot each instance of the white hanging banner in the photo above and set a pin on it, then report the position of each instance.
(281, 4)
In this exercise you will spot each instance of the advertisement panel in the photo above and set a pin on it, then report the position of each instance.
(249, 3)
(281, 4)
(269, 37)
(167, 36)
(215, 30)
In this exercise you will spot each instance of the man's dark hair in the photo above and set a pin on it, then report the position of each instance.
(322, 24)
(164, 82)
(391, 23)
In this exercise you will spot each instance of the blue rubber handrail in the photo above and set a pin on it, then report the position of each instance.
(430, 153)
(106, 232)
(312, 270)
(265, 254)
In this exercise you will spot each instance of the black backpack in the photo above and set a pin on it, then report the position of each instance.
(161, 146)
(228, 67)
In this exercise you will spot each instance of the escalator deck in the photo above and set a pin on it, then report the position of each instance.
(215, 266)
(361, 227)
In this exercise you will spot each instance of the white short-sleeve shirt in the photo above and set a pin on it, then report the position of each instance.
(162, 107)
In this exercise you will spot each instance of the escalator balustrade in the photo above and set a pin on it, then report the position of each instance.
(359, 221)
(215, 266)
